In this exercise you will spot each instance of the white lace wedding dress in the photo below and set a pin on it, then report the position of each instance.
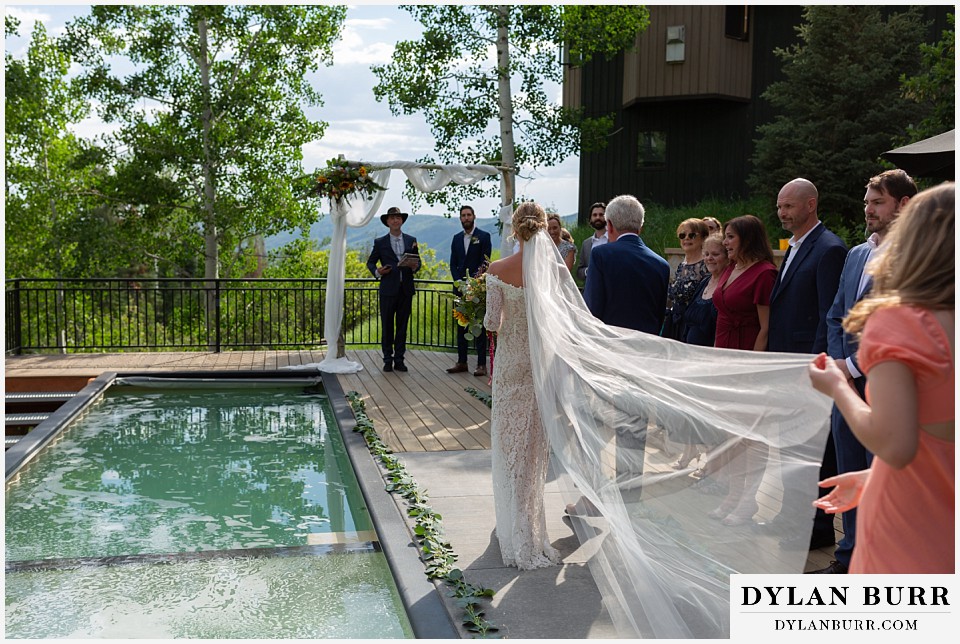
(518, 442)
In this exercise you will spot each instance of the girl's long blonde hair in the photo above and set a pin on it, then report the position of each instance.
(916, 262)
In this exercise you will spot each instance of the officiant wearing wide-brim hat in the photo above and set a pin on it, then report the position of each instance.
(396, 286)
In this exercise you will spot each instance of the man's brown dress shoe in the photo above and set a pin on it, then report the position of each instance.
(481, 371)
(460, 367)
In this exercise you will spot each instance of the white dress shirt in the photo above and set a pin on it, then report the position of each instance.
(794, 247)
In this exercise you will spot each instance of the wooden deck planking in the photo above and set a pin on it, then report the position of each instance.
(376, 395)
(431, 402)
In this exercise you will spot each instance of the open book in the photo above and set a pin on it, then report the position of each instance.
(409, 260)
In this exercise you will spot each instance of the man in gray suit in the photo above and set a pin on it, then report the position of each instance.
(599, 223)
(887, 194)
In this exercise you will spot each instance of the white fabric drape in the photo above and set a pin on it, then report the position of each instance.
(507, 241)
(661, 563)
(356, 213)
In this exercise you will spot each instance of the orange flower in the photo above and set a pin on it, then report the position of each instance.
(363, 171)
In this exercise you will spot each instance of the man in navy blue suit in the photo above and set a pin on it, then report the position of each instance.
(627, 287)
(396, 287)
(470, 250)
(801, 296)
(627, 282)
(887, 194)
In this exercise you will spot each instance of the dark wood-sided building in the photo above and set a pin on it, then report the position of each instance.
(686, 102)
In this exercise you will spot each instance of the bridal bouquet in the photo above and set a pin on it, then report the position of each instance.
(340, 180)
(471, 305)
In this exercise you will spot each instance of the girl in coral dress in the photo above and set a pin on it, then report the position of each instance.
(905, 501)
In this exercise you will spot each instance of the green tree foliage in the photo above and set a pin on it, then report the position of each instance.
(48, 169)
(840, 105)
(935, 85)
(459, 76)
(209, 103)
(302, 258)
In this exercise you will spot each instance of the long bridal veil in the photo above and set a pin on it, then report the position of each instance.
(661, 561)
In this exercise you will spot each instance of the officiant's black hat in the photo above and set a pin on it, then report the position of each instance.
(394, 211)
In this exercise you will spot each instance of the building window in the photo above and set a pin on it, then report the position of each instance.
(652, 150)
(737, 22)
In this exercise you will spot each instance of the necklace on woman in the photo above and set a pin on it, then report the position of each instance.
(710, 288)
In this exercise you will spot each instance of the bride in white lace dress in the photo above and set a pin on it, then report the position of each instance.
(518, 443)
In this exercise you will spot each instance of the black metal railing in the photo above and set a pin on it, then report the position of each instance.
(89, 315)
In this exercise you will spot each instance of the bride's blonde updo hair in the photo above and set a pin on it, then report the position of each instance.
(528, 219)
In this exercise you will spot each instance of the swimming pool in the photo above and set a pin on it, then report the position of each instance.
(194, 512)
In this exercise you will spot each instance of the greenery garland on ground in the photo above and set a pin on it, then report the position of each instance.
(435, 551)
(482, 396)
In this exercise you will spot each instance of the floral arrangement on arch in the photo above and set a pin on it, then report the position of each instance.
(341, 180)
(470, 305)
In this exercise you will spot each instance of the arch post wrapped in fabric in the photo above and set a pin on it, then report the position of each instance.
(662, 564)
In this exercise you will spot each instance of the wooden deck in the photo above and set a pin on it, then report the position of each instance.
(422, 410)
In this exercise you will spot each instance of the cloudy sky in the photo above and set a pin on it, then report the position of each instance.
(359, 127)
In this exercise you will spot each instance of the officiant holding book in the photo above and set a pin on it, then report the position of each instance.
(398, 259)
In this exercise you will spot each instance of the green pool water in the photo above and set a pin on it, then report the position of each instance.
(146, 479)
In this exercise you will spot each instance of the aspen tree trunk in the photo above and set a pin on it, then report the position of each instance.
(211, 267)
(505, 98)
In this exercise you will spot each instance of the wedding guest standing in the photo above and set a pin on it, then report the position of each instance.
(568, 250)
(742, 299)
(627, 282)
(887, 194)
(743, 296)
(690, 272)
(700, 328)
(598, 222)
(700, 316)
(802, 295)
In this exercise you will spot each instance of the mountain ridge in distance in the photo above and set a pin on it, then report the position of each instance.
(432, 231)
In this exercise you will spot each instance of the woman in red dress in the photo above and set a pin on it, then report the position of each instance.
(743, 294)
(742, 299)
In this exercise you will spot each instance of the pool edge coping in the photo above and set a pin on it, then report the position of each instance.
(421, 598)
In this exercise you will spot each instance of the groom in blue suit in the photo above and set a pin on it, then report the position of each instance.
(887, 194)
(801, 296)
(470, 250)
(627, 282)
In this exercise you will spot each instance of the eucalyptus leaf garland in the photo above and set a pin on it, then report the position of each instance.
(435, 551)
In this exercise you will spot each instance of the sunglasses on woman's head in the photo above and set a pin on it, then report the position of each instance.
(685, 235)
